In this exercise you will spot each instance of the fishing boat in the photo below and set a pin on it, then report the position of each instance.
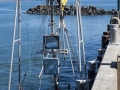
(57, 46)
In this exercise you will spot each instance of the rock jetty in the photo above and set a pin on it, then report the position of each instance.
(70, 10)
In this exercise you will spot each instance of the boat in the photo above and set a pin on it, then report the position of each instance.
(56, 46)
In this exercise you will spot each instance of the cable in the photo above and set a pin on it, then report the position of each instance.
(29, 65)
(39, 44)
(38, 48)
(72, 49)
(40, 76)
(70, 58)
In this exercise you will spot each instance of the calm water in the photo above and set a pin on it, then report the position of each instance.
(93, 26)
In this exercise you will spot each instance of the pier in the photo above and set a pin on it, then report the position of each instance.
(106, 78)
(108, 74)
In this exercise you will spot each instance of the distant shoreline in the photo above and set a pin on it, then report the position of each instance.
(70, 10)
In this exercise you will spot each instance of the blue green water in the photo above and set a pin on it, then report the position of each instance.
(93, 26)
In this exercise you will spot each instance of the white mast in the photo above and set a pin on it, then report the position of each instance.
(80, 40)
(17, 17)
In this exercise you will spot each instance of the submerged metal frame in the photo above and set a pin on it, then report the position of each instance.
(80, 39)
(52, 36)
(51, 65)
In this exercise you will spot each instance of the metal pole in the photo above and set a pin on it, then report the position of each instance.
(78, 27)
(83, 51)
(15, 20)
(52, 29)
(19, 42)
(63, 26)
(61, 11)
(55, 83)
(55, 77)
(52, 16)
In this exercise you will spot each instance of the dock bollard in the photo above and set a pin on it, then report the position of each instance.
(91, 73)
(114, 33)
(106, 33)
(80, 84)
(105, 41)
(99, 59)
(99, 55)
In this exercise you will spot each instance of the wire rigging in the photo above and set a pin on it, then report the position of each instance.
(38, 46)
(38, 43)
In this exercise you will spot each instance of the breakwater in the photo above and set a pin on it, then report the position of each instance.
(70, 10)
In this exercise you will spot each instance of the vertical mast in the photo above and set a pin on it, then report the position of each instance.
(19, 42)
(17, 17)
(82, 39)
(13, 44)
(61, 11)
(78, 27)
(81, 51)
(52, 16)
(52, 31)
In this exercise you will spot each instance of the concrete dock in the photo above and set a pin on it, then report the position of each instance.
(108, 76)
